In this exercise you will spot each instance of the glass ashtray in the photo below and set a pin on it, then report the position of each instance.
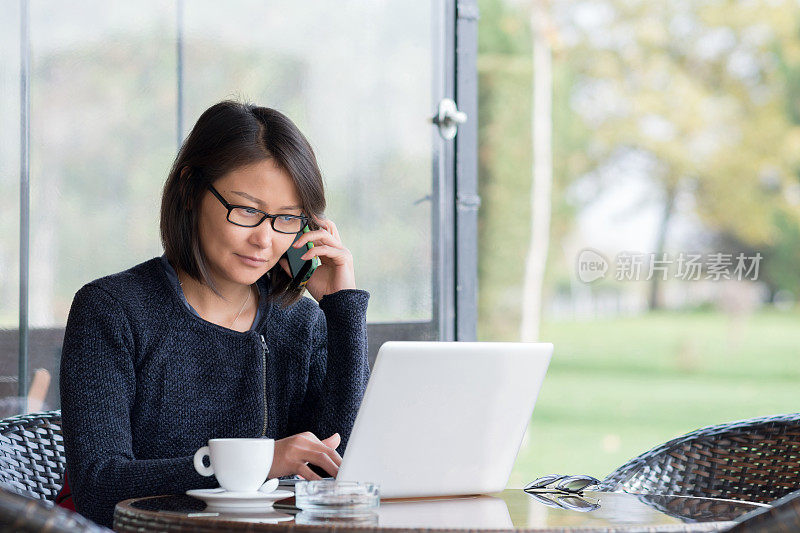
(336, 497)
(355, 519)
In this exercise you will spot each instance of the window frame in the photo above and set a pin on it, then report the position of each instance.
(454, 189)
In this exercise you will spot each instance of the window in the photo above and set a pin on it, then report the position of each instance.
(114, 87)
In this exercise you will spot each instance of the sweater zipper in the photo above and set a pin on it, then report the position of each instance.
(264, 352)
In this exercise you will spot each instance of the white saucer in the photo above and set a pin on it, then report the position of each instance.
(223, 500)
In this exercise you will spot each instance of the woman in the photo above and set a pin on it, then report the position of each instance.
(212, 339)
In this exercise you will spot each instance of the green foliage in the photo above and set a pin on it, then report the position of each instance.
(502, 29)
(618, 387)
(707, 90)
(783, 257)
(504, 170)
(505, 165)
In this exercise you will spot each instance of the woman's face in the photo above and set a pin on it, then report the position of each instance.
(242, 255)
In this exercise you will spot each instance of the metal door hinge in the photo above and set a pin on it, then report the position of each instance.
(448, 118)
(467, 11)
(468, 202)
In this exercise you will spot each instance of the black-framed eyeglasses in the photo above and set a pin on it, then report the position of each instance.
(250, 217)
(561, 483)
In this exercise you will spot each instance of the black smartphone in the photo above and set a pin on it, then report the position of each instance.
(301, 270)
(286, 505)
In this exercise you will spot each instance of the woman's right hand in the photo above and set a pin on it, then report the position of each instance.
(293, 454)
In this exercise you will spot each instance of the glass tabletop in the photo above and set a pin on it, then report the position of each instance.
(509, 510)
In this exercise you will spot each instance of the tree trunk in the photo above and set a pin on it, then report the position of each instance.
(654, 301)
(542, 123)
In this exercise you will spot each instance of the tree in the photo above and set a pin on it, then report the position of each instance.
(697, 89)
(542, 126)
(505, 164)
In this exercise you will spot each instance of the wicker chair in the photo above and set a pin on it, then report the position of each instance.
(755, 460)
(25, 515)
(32, 459)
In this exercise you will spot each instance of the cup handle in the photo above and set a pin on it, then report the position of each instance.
(202, 469)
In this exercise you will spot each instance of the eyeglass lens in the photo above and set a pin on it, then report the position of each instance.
(544, 481)
(563, 482)
(576, 483)
(250, 217)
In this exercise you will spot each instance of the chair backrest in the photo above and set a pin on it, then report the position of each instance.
(754, 460)
(25, 515)
(784, 515)
(32, 458)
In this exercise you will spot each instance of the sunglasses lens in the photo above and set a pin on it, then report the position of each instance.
(577, 503)
(544, 481)
(577, 483)
(544, 500)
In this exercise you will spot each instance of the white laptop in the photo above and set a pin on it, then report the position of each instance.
(444, 418)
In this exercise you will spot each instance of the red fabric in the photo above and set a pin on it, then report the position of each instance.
(64, 496)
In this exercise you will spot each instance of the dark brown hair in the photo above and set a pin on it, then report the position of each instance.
(227, 136)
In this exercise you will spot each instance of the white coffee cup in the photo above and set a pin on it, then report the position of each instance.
(240, 465)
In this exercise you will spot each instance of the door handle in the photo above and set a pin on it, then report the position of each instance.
(448, 118)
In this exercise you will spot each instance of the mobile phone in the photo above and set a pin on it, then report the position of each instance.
(287, 505)
(301, 270)
(290, 482)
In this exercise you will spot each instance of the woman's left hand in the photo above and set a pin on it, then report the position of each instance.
(336, 271)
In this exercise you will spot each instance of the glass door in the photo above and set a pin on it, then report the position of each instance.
(362, 79)
(111, 89)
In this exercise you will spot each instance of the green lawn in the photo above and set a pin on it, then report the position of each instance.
(618, 387)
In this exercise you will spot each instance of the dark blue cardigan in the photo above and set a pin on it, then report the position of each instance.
(145, 383)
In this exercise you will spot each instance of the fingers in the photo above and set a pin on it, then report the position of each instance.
(326, 456)
(294, 454)
(306, 473)
(333, 441)
(323, 222)
(329, 226)
(323, 460)
(310, 436)
(330, 451)
(318, 236)
(327, 233)
(335, 457)
(339, 255)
